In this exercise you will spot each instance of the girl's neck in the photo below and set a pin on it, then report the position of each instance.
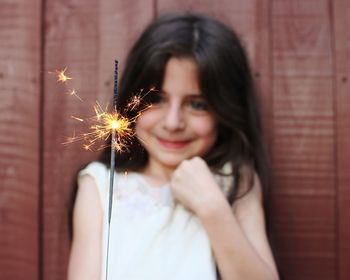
(157, 175)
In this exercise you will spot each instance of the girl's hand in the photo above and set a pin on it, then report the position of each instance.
(194, 186)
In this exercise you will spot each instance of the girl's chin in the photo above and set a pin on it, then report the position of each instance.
(172, 163)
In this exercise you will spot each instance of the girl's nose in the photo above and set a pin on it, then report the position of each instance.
(174, 118)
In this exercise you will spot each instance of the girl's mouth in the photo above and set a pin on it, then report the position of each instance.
(171, 144)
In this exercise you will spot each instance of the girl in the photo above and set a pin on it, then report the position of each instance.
(191, 204)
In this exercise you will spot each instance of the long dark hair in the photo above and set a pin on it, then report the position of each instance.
(225, 81)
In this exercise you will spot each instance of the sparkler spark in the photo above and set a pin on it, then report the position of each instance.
(134, 103)
(102, 127)
(103, 124)
(61, 75)
(136, 99)
(78, 119)
(74, 93)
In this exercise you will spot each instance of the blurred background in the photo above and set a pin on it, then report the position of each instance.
(300, 53)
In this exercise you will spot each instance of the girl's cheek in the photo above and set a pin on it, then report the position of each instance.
(149, 118)
(205, 127)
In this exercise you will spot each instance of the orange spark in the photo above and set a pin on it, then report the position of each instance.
(103, 124)
(136, 100)
(78, 119)
(61, 75)
(74, 93)
(134, 103)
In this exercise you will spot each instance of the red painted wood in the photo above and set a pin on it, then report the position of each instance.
(120, 23)
(303, 139)
(303, 76)
(341, 17)
(263, 68)
(240, 15)
(71, 40)
(19, 138)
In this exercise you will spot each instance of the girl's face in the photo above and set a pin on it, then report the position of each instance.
(178, 125)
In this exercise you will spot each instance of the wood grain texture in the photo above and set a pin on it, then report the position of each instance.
(304, 138)
(239, 15)
(19, 138)
(262, 68)
(341, 18)
(120, 24)
(71, 40)
(85, 36)
(299, 51)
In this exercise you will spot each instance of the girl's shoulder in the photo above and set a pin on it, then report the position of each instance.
(97, 170)
(94, 167)
(100, 173)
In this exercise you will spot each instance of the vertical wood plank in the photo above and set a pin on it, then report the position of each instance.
(263, 69)
(120, 23)
(86, 36)
(240, 15)
(71, 32)
(341, 18)
(20, 37)
(303, 137)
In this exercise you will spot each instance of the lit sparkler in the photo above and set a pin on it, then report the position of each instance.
(106, 125)
(121, 130)
(114, 125)
(103, 123)
(102, 126)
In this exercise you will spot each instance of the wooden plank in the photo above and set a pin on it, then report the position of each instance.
(240, 15)
(19, 138)
(262, 67)
(303, 137)
(86, 36)
(71, 40)
(341, 18)
(305, 235)
(120, 23)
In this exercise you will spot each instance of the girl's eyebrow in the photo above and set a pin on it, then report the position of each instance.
(192, 94)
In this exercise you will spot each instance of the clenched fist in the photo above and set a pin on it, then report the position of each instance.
(194, 186)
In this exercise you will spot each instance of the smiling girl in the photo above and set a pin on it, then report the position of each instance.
(192, 203)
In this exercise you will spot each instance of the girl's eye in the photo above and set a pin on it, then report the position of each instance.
(198, 105)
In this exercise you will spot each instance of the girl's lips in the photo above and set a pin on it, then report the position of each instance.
(173, 144)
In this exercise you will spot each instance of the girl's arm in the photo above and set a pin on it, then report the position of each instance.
(85, 255)
(237, 235)
(238, 239)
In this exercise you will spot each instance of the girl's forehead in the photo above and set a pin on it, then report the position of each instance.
(181, 74)
(184, 94)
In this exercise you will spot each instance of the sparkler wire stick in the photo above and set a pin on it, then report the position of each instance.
(112, 164)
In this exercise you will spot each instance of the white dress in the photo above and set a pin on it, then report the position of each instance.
(150, 238)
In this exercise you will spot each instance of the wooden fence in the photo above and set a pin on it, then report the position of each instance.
(300, 51)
